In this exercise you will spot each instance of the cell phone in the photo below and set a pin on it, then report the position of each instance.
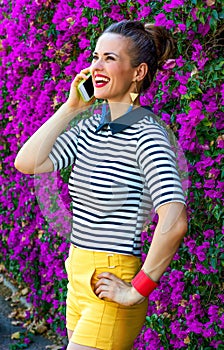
(86, 89)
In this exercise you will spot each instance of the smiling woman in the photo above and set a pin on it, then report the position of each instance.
(124, 167)
(111, 63)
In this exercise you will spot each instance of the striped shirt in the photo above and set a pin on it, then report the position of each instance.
(121, 170)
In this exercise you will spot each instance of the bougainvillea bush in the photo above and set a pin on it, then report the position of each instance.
(43, 45)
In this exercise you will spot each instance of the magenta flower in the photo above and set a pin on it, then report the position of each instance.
(95, 20)
(209, 234)
(144, 12)
(201, 255)
(208, 332)
(220, 143)
(55, 68)
(84, 43)
(221, 321)
(180, 61)
(213, 312)
(213, 194)
(202, 269)
(182, 27)
(194, 13)
(203, 29)
(182, 89)
(211, 107)
(160, 20)
(143, 2)
(94, 4)
(172, 5)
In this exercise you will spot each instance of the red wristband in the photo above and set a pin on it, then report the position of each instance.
(143, 283)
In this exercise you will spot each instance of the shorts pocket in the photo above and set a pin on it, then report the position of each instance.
(93, 279)
(68, 268)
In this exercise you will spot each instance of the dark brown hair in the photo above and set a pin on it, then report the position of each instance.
(150, 44)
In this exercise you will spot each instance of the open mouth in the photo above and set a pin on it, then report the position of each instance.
(100, 80)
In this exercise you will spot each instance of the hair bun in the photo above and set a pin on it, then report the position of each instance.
(164, 42)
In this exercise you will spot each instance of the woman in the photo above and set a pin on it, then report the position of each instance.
(123, 167)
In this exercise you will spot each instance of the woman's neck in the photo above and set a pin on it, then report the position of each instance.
(117, 109)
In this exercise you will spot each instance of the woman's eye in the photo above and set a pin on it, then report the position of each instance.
(107, 58)
(110, 58)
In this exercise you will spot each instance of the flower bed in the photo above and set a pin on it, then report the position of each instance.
(43, 44)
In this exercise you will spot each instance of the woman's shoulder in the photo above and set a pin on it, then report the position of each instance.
(150, 124)
(87, 119)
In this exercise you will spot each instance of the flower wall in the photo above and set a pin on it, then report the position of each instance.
(43, 45)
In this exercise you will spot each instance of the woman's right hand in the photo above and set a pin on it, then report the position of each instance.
(33, 158)
(75, 100)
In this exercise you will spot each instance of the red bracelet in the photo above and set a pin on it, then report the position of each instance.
(143, 283)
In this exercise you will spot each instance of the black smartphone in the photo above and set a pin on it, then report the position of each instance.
(86, 89)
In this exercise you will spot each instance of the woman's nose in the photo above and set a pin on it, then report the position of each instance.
(98, 64)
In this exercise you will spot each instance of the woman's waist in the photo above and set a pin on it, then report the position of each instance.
(105, 259)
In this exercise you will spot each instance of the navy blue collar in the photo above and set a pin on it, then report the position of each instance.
(125, 120)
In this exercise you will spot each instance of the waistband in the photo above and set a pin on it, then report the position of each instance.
(101, 259)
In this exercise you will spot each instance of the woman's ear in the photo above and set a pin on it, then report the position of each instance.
(141, 72)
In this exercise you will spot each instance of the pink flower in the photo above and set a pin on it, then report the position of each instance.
(198, 185)
(213, 194)
(170, 64)
(160, 19)
(211, 107)
(172, 5)
(55, 68)
(209, 183)
(95, 20)
(143, 2)
(180, 61)
(94, 4)
(84, 43)
(84, 22)
(194, 13)
(203, 29)
(144, 12)
(182, 89)
(208, 332)
(209, 234)
(182, 27)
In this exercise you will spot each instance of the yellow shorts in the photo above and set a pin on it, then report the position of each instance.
(95, 322)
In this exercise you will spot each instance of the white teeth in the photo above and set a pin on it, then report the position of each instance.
(100, 79)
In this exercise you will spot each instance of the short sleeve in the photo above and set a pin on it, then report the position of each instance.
(158, 164)
(64, 150)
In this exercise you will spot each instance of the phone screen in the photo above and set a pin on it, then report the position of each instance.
(88, 84)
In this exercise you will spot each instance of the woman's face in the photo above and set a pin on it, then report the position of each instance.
(111, 69)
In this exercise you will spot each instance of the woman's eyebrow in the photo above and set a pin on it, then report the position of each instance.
(107, 54)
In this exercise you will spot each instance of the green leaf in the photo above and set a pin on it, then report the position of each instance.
(214, 263)
(215, 14)
(213, 23)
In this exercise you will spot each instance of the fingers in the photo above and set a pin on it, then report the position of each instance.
(80, 76)
(107, 281)
(108, 275)
(111, 287)
(105, 288)
(115, 289)
(85, 71)
(74, 100)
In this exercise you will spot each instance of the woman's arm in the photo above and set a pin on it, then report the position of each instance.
(170, 230)
(33, 156)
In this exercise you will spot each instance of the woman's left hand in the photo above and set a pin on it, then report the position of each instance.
(111, 287)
